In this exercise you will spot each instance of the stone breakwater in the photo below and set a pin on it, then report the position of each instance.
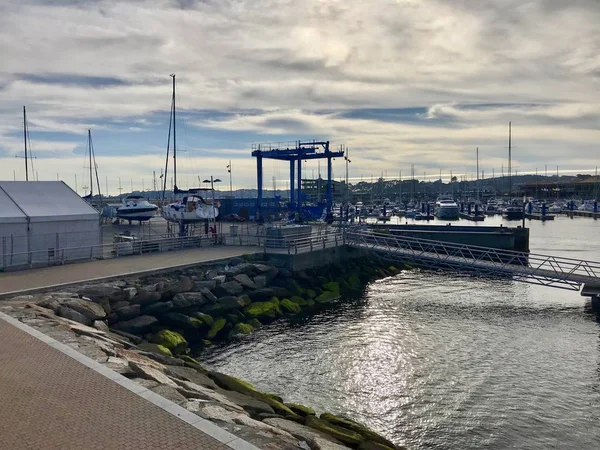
(149, 328)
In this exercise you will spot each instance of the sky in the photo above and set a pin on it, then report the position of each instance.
(398, 82)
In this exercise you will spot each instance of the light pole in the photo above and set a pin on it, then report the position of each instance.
(212, 182)
(348, 161)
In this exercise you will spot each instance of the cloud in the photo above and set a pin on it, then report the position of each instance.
(398, 81)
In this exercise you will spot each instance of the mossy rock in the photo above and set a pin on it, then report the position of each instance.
(299, 301)
(206, 343)
(243, 387)
(274, 300)
(394, 270)
(263, 310)
(408, 267)
(245, 299)
(343, 435)
(354, 281)
(309, 294)
(255, 323)
(155, 348)
(301, 410)
(233, 318)
(368, 434)
(274, 397)
(327, 297)
(206, 318)
(191, 362)
(370, 445)
(217, 326)
(310, 303)
(242, 328)
(172, 340)
(332, 286)
(289, 306)
(293, 286)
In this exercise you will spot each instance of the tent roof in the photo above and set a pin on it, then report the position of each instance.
(44, 201)
(9, 212)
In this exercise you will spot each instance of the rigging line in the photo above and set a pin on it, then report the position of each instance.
(95, 167)
(168, 147)
(31, 157)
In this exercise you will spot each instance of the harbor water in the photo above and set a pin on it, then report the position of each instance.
(441, 361)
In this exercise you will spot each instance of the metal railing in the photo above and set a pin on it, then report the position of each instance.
(294, 245)
(547, 270)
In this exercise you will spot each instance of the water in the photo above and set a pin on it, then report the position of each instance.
(439, 361)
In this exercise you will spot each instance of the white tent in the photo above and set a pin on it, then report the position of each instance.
(45, 222)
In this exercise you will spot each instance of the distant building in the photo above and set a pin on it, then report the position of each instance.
(45, 223)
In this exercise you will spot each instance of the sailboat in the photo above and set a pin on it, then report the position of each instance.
(514, 211)
(26, 141)
(192, 207)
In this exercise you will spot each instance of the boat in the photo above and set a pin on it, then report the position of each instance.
(136, 207)
(93, 168)
(514, 211)
(492, 209)
(411, 213)
(589, 206)
(193, 207)
(446, 208)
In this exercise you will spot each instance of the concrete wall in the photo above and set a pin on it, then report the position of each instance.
(316, 258)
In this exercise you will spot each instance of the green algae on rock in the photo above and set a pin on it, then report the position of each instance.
(301, 410)
(171, 340)
(217, 326)
(289, 306)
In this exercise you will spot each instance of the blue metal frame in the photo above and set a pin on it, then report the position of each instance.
(302, 151)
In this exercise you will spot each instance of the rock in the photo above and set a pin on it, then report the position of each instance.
(216, 328)
(100, 325)
(206, 318)
(316, 439)
(189, 299)
(209, 295)
(191, 362)
(285, 272)
(51, 303)
(119, 305)
(260, 281)
(150, 373)
(289, 306)
(155, 348)
(220, 279)
(157, 308)
(299, 301)
(281, 292)
(245, 268)
(118, 365)
(227, 303)
(229, 288)
(368, 434)
(22, 298)
(261, 295)
(139, 325)
(327, 297)
(71, 314)
(309, 294)
(172, 340)
(91, 310)
(258, 425)
(98, 292)
(293, 286)
(354, 282)
(242, 328)
(301, 410)
(369, 445)
(250, 404)
(205, 284)
(243, 387)
(235, 261)
(255, 323)
(332, 286)
(345, 436)
(190, 374)
(170, 393)
(211, 274)
(262, 310)
(128, 312)
(245, 281)
(192, 390)
(129, 292)
(217, 413)
(186, 284)
(183, 321)
(146, 298)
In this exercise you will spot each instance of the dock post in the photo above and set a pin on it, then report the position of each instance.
(595, 302)
(595, 206)
(544, 210)
(476, 209)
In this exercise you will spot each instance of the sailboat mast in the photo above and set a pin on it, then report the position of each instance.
(509, 158)
(174, 138)
(25, 141)
(90, 155)
(477, 175)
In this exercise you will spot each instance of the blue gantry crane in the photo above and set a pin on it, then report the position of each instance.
(295, 154)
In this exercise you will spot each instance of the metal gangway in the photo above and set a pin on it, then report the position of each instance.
(546, 270)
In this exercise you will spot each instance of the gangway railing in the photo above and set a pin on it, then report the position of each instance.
(547, 270)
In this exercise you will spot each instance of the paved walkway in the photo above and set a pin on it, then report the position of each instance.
(55, 276)
(51, 401)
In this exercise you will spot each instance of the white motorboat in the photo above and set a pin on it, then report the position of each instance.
(192, 208)
(588, 206)
(446, 208)
(136, 207)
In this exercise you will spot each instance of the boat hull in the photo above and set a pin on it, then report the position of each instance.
(513, 215)
(447, 212)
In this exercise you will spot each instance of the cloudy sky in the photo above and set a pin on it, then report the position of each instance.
(399, 82)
